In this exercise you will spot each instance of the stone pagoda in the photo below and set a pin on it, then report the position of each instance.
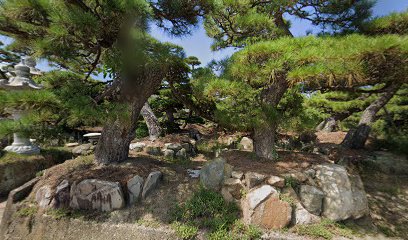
(21, 81)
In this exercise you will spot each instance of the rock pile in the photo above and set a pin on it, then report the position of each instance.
(275, 202)
(97, 194)
(182, 150)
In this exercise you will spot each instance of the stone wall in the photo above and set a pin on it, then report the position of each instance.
(273, 202)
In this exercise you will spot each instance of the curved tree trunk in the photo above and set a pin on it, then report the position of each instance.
(151, 121)
(113, 145)
(264, 136)
(356, 138)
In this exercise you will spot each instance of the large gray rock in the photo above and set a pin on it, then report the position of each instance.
(173, 146)
(344, 193)
(262, 207)
(138, 147)
(311, 198)
(134, 188)
(151, 183)
(97, 194)
(168, 153)
(43, 196)
(247, 144)
(83, 150)
(212, 174)
(62, 195)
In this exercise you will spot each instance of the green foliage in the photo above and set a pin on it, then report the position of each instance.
(394, 23)
(239, 23)
(206, 209)
(184, 231)
(349, 61)
(142, 130)
(27, 211)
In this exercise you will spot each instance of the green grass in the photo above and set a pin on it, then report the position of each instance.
(27, 211)
(185, 231)
(325, 229)
(10, 157)
(64, 213)
(207, 210)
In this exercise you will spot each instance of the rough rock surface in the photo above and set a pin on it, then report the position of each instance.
(83, 150)
(247, 144)
(344, 196)
(61, 197)
(276, 181)
(168, 153)
(96, 194)
(262, 207)
(234, 187)
(301, 216)
(311, 198)
(43, 196)
(212, 174)
(237, 174)
(152, 150)
(151, 183)
(134, 188)
(182, 154)
(252, 179)
(173, 146)
(138, 147)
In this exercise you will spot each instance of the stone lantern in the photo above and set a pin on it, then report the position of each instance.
(21, 81)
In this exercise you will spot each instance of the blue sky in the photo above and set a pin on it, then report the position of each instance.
(198, 44)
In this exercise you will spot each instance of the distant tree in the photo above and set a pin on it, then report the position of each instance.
(193, 61)
(89, 36)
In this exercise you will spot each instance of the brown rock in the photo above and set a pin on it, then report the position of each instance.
(234, 187)
(276, 214)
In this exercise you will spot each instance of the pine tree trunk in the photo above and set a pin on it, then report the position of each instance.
(356, 138)
(264, 142)
(264, 136)
(113, 145)
(151, 121)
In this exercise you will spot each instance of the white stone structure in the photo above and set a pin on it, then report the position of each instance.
(21, 81)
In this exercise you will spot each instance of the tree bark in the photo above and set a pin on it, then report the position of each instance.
(118, 132)
(264, 136)
(356, 138)
(151, 121)
(264, 142)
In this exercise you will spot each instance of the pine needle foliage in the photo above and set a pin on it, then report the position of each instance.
(395, 23)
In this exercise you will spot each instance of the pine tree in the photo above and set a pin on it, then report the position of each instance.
(85, 35)
(243, 23)
(263, 72)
